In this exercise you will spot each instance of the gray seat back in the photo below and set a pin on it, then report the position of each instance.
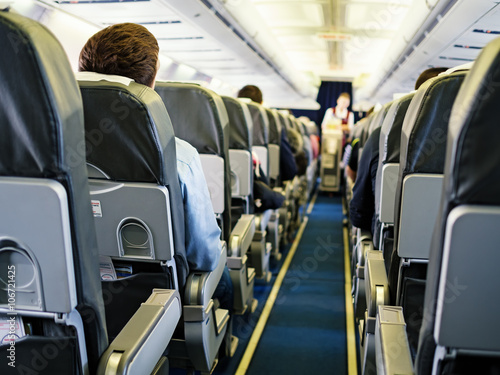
(136, 189)
(200, 118)
(388, 166)
(423, 138)
(46, 226)
(240, 148)
(274, 144)
(260, 135)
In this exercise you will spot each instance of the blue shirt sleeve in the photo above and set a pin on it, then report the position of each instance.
(203, 245)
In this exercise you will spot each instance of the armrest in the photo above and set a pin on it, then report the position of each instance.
(141, 343)
(200, 287)
(391, 343)
(241, 236)
(376, 284)
(364, 243)
(262, 219)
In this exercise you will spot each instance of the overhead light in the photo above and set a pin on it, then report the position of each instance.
(334, 37)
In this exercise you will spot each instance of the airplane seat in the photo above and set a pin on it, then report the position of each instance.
(48, 239)
(306, 180)
(261, 249)
(418, 192)
(274, 147)
(275, 228)
(387, 173)
(287, 210)
(139, 216)
(200, 118)
(458, 332)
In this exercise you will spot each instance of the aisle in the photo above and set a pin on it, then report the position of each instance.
(305, 332)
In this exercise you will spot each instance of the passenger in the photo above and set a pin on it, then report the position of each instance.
(362, 206)
(130, 50)
(340, 116)
(265, 198)
(288, 167)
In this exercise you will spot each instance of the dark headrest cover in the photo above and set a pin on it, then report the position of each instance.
(274, 128)
(474, 160)
(204, 125)
(240, 137)
(423, 136)
(41, 119)
(200, 118)
(260, 128)
(392, 142)
(130, 138)
(423, 139)
(128, 131)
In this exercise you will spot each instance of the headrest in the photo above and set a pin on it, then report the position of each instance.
(283, 120)
(390, 136)
(260, 124)
(473, 157)
(423, 138)
(274, 127)
(240, 124)
(129, 134)
(40, 109)
(198, 116)
(378, 119)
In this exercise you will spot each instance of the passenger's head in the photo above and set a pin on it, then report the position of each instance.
(426, 74)
(344, 100)
(252, 92)
(124, 49)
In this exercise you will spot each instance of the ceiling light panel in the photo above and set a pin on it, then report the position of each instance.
(117, 12)
(375, 16)
(291, 14)
(302, 42)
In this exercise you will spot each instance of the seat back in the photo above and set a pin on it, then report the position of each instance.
(423, 146)
(462, 282)
(47, 237)
(388, 166)
(240, 150)
(135, 190)
(199, 117)
(274, 145)
(260, 135)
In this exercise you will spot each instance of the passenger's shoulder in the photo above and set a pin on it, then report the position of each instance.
(184, 151)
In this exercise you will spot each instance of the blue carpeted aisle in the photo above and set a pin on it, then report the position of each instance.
(305, 333)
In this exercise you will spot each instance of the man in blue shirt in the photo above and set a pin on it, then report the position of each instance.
(130, 50)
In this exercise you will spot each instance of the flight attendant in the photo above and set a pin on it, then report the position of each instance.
(339, 116)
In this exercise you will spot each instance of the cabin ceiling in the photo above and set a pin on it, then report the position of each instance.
(287, 47)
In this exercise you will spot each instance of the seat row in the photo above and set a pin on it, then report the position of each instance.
(423, 276)
(89, 182)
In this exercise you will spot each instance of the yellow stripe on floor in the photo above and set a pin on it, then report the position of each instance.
(259, 328)
(352, 366)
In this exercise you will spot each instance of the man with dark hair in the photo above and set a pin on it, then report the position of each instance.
(125, 49)
(130, 50)
(426, 74)
(252, 92)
